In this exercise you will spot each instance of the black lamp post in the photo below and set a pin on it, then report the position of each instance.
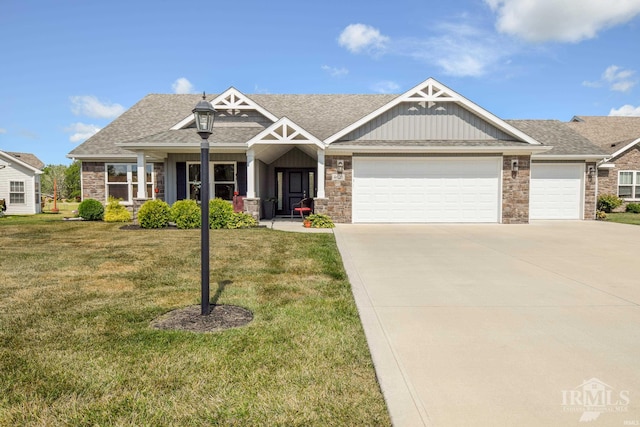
(204, 114)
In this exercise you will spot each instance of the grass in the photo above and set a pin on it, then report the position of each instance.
(624, 218)
(77, 298)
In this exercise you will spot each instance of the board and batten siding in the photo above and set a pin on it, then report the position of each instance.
(410, 121)
(31, 183)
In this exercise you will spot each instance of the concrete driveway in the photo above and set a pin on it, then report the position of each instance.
(496, 325)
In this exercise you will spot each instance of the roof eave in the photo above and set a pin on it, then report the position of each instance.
(514, 150)
(585, 157)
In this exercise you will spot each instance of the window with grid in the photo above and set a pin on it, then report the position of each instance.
(16, 192)
(223, 180)
(122, 181)
(629, 184)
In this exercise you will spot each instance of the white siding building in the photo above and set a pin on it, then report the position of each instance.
(20, 182)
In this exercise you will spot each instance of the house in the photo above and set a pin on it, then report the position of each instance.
(20, 182)
(619, 172)
(427, 155)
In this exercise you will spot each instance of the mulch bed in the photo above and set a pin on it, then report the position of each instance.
(189, 319)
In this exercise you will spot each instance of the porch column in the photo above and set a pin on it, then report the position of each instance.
(142, 176)
(321, 177)
(251, 175)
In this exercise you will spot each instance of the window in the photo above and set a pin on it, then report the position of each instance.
(193, 180)
(122, 181)
(222, 177)
(224, 180)
(629, 184)
(16, 192)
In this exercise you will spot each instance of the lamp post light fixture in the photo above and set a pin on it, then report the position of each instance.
(204, 114)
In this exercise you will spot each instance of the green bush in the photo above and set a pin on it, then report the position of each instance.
(220, 213)
(115, 212)
(608, 202)
(153, 214)
(186, 214)
(242, 220)
(633, 207)
(320, 221)
(91, 210)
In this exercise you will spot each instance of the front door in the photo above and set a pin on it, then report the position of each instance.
(292, 186)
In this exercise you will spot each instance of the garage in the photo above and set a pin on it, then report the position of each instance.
(426, 189)
(556, 190)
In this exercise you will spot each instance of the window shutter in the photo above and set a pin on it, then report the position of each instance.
(181, 180)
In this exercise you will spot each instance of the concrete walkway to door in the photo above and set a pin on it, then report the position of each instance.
(496, 325)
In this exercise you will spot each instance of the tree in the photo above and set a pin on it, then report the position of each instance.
(51, 172)
(72, 181)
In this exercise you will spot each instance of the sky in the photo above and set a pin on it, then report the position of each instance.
(69, 67)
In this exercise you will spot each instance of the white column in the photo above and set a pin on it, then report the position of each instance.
(321, 177)
(251, 175)
(142, 176)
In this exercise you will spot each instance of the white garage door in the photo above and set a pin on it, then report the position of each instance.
(556, 191)
(461, 189)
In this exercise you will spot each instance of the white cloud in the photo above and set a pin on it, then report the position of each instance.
(89, 105)
(562, 21)
(182, 85)
(616, 78)
(359, 37)
(335, 71)
(2, 130)
(81, 131)
(386, 86)
(625, 110)
(459, 49)
(619, 78)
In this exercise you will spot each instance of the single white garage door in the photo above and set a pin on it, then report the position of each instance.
(556, 191)
(426, 189)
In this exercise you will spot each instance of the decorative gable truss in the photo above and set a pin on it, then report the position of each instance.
(431, 93)
(231, 102)
(428, 94)
(284, 131)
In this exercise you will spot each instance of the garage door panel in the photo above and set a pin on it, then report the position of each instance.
(426, 190)
(556, 190)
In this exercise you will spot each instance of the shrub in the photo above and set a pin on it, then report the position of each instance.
(91, 210)
(220, 213)
(600, 215)
(633, 207)
(115, 212)
(320, 221)
(154, 214)
(186, 214)
(608, 202)
(242, 220)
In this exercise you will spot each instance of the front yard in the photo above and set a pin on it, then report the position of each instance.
(624, 217)
(76, 348)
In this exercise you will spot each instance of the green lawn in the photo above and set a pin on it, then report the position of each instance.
(624, 218)
(77, 298)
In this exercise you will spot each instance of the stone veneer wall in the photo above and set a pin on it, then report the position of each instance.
(589, 193)
(158, 169)
(338, 190)
(252, 207)
(515, 190)
(93, 186)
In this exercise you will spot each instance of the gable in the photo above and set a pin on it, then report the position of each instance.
(233, 108)
(423, 120)
(432, 94)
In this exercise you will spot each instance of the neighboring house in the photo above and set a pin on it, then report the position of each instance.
(20, 182)
(428, 155)
(619, 173)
